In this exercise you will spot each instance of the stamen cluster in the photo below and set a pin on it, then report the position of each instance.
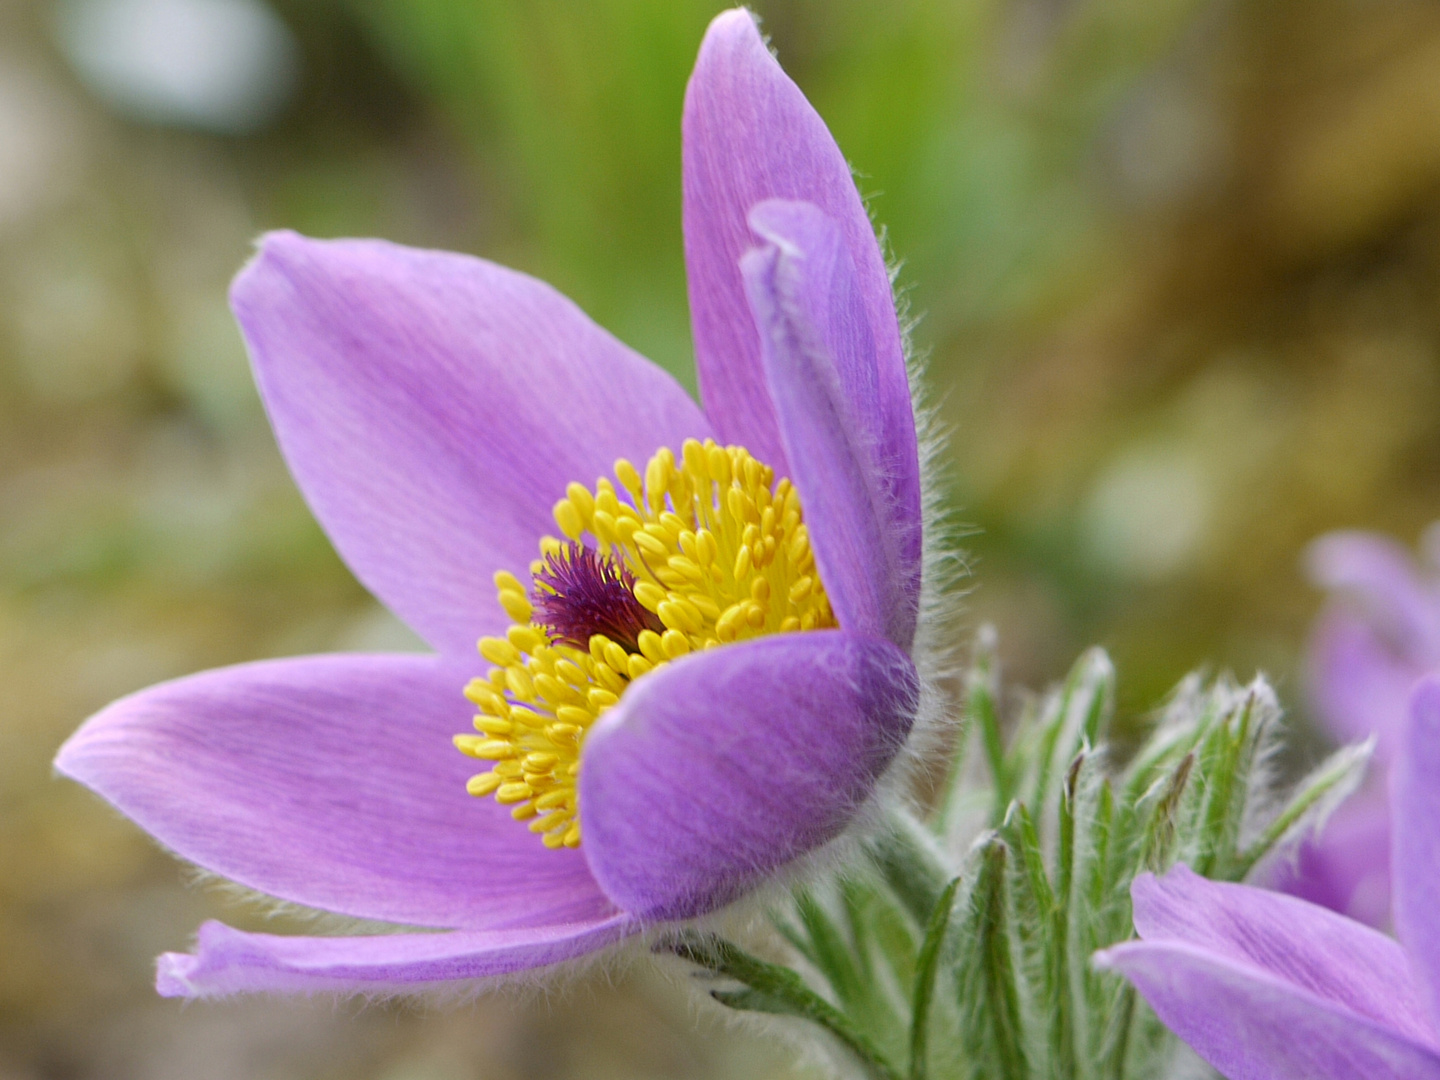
(701, 551)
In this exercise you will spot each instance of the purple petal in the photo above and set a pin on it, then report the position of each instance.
(434, 406)
(228, 961)
(330, 781)
(749, 136)
(721, 767)
(1357, 682)
(1298, 946)
(801, 289)
(1253, 1026)
(1415, 815)
(1380, 576)
(1347, 867)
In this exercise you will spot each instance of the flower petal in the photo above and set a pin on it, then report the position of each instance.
(1415, 828)
(433, 407)
(1359, 685)
(864, 528)
(1253, 1026)
(1380, 576)
(1298, 945)
(228, 961)
(1346, 868)
(750, 135)
(330, 781)
(724, 765)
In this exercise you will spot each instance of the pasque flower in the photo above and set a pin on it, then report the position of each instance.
(701, 678)
(1266, 986)
(1378, 635)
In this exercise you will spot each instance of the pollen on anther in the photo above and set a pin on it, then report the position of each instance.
(696, 550)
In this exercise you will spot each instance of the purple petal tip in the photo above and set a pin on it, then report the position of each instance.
(172, 975)
(734, 24)
(270, 246)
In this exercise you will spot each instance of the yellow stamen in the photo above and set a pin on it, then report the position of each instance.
(716, 555)
(484, 784)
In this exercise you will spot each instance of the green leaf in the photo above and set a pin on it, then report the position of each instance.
(1062, 1020)
(831, 952)
(1101, 829)
(926, 969)
(1189, 712)
(1019, 831)
(1083, 709)
(990, 903)
(773, 989)
(749, 1000)
(981, 690)
(1312, 801)
(1010, 936)
(1117, 1035)
(1160, 834)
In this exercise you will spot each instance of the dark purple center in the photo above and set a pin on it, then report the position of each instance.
(580, 592)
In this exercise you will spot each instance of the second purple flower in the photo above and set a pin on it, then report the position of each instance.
(1379, 634)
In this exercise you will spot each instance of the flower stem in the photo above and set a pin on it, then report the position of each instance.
(911, 862)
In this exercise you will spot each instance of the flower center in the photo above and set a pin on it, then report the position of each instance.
(700, 552)
(580, 593)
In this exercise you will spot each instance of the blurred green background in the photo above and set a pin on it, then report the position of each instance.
(1178, 267)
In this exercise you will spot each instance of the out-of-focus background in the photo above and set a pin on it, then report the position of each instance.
(1178, 263)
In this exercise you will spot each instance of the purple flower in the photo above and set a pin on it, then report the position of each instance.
(433, 408)
(1379, 634)
(1270, 987)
